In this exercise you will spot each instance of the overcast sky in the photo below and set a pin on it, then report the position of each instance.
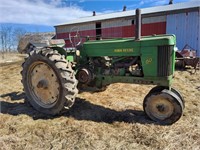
(52, 12)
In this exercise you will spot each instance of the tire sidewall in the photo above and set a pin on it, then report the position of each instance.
(59, 104)
(174, 100)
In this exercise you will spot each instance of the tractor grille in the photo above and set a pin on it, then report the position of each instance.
(164, 60)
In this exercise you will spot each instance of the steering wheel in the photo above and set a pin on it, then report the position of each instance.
(74, 37)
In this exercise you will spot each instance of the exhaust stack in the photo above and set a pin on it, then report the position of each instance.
(138, 24)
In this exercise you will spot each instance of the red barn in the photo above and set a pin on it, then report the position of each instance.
(181, 19)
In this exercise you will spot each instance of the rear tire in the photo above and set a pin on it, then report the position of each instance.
(49, 81)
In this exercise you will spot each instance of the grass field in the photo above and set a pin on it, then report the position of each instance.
(112, 119)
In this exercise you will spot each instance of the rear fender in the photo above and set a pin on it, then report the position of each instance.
(60, 50)
(69, 55)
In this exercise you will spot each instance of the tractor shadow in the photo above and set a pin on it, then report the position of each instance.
(84, 110)
(81, 110)
(14, 95)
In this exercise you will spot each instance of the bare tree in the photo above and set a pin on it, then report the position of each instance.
(2, 39)
(18, 34)
(10, 43)
(9, 37)
(3, 36)
(6, 38)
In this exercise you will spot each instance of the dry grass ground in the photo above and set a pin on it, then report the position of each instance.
(112, 119)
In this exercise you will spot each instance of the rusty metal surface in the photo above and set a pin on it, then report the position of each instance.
(183, 62)
(191, 62)
(187, 58)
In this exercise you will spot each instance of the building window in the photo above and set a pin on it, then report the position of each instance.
(98, 30)
(133, 22)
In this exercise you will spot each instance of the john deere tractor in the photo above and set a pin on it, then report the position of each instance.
(52, 75)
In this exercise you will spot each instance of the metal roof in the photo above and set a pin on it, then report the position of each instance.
(150, 10)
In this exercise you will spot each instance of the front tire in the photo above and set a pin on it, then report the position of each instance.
(49, 81)
(164, 107)
(160, 88)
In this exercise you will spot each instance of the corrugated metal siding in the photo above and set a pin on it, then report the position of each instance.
(116, 23)
(81, 27)
(124, 31)
(129, 31)
(117, 28)
(154, 28)
(154, 19)
(198, 52)
(62, 35)
(91, 33)
(112, 32)
(186, 28)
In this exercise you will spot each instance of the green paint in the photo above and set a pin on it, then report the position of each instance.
(60, 50)
(119, 49)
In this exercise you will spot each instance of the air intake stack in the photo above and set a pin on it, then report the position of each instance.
(138, 24)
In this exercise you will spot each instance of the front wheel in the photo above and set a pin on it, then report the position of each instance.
(49, 81)
(164, 107)
(160, 88)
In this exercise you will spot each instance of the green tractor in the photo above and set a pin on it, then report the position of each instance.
(52, 75)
